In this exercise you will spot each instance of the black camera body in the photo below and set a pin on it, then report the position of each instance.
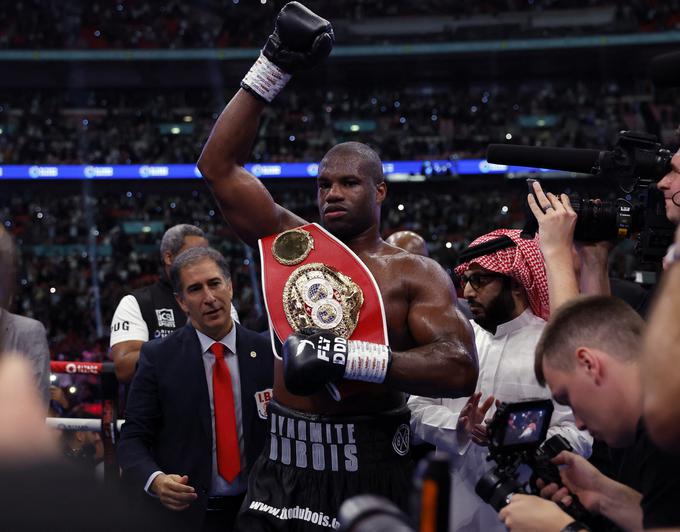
(517, 436)
(635, 164)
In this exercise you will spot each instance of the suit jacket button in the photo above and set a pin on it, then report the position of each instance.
(253, 354)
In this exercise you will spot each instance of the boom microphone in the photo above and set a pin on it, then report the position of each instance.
(583, 161)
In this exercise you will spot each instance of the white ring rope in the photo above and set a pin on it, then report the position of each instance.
(75, 423)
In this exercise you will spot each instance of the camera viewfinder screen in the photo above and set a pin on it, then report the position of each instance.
(525, 426)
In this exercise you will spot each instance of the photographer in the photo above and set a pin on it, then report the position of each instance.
(589, 356)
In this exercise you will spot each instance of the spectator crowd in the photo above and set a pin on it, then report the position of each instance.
(173, 24)
(417, 121)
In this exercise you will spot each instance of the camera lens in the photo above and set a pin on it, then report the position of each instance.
(604, 220)
(494, 489)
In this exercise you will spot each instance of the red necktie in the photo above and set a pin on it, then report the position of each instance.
(226, 435)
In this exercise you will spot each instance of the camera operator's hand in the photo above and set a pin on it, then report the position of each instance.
(556, 222)
(528, 513)
(471, 422)
(596, 492)
(579, 477)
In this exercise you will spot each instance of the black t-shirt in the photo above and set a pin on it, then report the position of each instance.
(636, 295)
(656, 474)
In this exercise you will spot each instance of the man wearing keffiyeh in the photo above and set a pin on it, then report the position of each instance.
(516, 262)
(504, 281)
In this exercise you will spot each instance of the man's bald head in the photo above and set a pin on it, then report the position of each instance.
(409, 241)
(370, 164)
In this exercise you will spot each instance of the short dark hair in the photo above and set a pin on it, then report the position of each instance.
(600, 322)
(173, 238)
(371, 163)
(192, 256)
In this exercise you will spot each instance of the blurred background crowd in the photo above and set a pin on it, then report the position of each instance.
(417, 120)
(104, 24)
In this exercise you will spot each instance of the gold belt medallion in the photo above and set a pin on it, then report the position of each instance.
(318, 296)
(292, 247)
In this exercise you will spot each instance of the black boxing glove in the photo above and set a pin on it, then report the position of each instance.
(301, 39)
(310, 362)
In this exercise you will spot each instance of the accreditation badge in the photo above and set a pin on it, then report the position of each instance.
(310, 279)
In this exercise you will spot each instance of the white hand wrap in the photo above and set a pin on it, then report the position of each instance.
(366, 361)
(265, 78)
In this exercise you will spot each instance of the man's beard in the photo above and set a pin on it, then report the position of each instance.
(499, 310)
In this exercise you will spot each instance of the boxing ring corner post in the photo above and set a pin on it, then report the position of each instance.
(109, 425)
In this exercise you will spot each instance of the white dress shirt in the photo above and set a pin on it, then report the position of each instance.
(219, 486)
(506, 371)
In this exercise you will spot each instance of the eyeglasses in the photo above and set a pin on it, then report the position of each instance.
(478, 280)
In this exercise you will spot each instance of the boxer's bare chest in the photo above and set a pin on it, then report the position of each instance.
(389, 273)
(395, 284)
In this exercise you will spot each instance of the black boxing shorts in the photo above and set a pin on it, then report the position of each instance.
(310, 464)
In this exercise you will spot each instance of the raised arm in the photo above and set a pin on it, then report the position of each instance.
(594, 274)
(244, 201)
(556, 222)
(301, 39)
(445, 362)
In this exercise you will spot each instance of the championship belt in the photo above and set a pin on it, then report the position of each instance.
(311, 279)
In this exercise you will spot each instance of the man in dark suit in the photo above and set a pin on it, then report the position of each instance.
(196, 415)
(20, 334)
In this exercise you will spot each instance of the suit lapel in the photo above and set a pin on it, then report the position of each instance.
(196, 371)
(245, 368)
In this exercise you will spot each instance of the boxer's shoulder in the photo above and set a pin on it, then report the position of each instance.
(400, 261)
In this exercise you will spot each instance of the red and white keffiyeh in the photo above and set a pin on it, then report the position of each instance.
(523, 262)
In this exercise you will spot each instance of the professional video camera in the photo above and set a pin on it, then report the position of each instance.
(635, 164)
(516, 436)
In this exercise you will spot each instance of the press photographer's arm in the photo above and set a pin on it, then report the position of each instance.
(568, 275)
(528, 513)
(661, 372)
(598, 494)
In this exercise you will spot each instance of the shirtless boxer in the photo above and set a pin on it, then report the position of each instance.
(322, 450)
